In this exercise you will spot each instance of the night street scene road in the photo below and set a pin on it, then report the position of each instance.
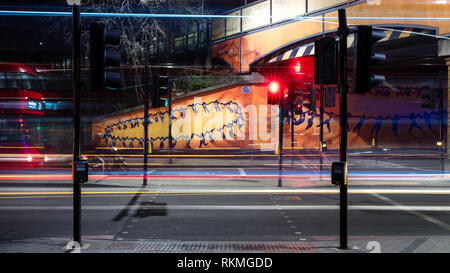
(213, 127)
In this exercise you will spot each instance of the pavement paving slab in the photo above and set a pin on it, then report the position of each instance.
(419, 244)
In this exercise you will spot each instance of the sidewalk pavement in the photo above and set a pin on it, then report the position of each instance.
(91, 244)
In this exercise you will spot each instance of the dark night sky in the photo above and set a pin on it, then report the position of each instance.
(22, 35)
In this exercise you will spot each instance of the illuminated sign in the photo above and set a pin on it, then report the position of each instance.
(35, 105)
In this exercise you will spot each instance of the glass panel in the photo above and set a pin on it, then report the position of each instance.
(218, 28)
(256, 15)
(315, 5)
(286, 9)
(233, 24)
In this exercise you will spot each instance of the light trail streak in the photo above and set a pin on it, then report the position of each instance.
(212, 16)
(205, 16)
(234, 174)
(369, 191)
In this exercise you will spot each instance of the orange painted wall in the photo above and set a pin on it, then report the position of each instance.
(224, 109)
(386, 115)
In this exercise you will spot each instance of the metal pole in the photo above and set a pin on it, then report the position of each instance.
(441, 124)
(169, 86)
(76, 122)
(322, 109)
(291, 101)
(343, 31)
(280, 139)
(146, 108)
(169, 90)
(441, 117)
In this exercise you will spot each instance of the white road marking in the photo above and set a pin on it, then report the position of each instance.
(411, 209)
(414, 210)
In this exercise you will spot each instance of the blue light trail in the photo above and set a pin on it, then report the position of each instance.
(165, 15)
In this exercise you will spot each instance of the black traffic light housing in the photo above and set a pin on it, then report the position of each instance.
(428, 96)
(104, 53)
(309, 99)
(160, 90)
(298, 104)
(365, 58)
(325, 61)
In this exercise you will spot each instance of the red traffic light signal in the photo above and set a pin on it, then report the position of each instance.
(274, 91)
(274, 87)
(298, 106)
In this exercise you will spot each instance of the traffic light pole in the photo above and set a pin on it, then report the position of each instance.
(292, 128)
(280, 139)
(441, 123)
(169, 85)
(146, 108)
(291, 107)
(76, 122)
(343, 87)
(322, 109)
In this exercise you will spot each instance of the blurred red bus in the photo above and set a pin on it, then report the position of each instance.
(21, 110)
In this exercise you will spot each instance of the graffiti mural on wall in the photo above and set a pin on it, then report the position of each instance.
(415, 121)
(394, 121)
(179, 113)
(250, 124)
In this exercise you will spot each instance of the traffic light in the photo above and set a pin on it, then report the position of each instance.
(365, 58)
(104, 53)
(273, 94)
(298, 104)
(325, 61)
(309, 99)
(428, 97)
(160, 91)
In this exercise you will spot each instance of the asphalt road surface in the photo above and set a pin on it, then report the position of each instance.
(401, 203)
